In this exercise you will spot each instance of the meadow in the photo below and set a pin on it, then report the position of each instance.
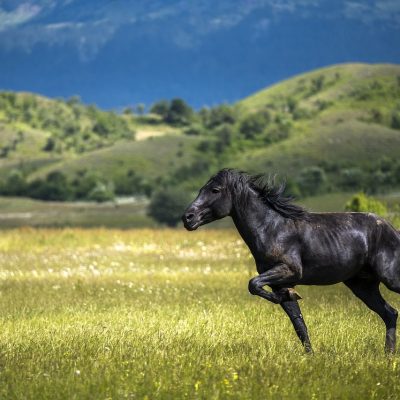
(165, 314)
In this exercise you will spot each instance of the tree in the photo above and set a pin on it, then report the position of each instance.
(317, 84)
(55, 187)
(312, 180)
(14, 185)
(222, 114)
(167, 205)
(140, 109)
(131, 183)
(128, 111)
(160, 108)
(92, 186)
(179, 113)
(352, 178)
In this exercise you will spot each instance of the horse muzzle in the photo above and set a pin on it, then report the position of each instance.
(193, 218)
(190, 221)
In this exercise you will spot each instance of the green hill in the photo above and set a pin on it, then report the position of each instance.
(335, 129)
(344, 116)
(65, 139)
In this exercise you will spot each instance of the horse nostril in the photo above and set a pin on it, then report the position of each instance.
(189, 216)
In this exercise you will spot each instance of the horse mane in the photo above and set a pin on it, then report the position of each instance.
(271, 194)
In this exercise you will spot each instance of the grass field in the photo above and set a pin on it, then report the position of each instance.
(165, 314)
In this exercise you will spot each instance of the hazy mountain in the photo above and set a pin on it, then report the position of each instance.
(116, 53)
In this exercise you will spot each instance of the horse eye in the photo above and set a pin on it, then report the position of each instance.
(215, 190)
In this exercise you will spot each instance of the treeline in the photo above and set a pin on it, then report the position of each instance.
(84, 185)
(380, 176)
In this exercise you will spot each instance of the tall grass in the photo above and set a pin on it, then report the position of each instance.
(163, 314)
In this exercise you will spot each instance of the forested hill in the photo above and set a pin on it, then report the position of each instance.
(336, 128)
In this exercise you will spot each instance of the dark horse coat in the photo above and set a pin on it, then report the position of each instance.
(294, 247)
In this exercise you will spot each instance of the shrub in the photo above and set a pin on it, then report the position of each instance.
(222, 114)
(194, 130)
(50, 144)
(101, 192)
(131, 183)
(254, 124)
(362, 203)
(224, 135)
(395, 121)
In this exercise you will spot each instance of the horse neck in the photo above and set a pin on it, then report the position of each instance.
(254, 220)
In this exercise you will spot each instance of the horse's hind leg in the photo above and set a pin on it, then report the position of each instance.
(368, 292)
(292, 309)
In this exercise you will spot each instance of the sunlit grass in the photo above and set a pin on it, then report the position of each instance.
(164, 314)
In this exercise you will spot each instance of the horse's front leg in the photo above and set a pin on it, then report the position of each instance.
(293, 311)
(282, 278)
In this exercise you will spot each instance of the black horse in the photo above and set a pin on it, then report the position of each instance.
(294, 247)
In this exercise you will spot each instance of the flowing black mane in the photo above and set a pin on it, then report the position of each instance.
(272, 195)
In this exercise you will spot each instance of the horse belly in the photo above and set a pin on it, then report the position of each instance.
(333, 264)
(328, 274)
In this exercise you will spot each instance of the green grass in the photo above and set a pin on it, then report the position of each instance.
(21, 212)
(331, 202)
(162, 314)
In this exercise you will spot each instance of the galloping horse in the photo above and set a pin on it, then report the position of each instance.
(294, 247)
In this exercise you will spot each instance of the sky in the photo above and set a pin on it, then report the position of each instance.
(119, 53)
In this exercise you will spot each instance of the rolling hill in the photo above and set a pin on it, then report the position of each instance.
(346, 117)
(333, 129)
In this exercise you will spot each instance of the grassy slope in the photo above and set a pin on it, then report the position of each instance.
(31, 139)
(152, 157)
(163, 314)
(339, 133)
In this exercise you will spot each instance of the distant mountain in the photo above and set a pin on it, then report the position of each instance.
(336, 128)
(121, 53)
